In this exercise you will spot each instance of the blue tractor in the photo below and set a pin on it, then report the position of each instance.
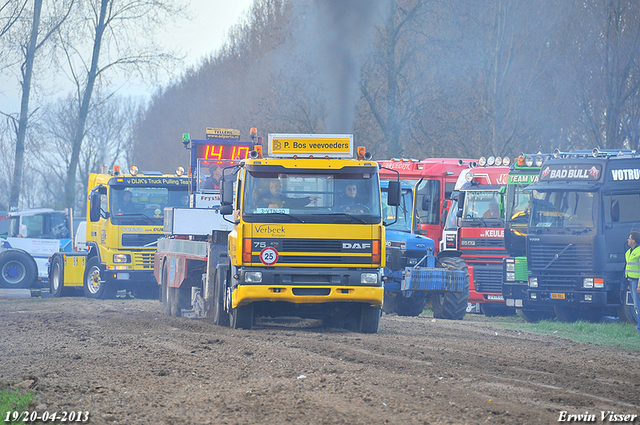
(414, 277)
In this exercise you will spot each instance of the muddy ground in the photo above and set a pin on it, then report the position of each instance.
(125, 362)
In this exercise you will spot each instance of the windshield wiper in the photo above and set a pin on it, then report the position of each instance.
(555, 257)
(351, 216)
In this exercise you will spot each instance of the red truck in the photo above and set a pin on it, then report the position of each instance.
(474, 230)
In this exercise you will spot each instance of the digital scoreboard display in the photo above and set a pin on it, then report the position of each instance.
(221, 151)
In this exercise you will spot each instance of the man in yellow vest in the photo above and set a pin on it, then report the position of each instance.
(632, 271)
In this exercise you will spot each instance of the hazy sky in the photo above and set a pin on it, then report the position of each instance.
(207, 30)
(196, 38)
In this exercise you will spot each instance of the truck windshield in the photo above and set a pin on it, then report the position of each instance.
(482, 208)
(144, 205)
(310, 197)
(574, 211)
(405, 211)
(516, 209)
(48, 225)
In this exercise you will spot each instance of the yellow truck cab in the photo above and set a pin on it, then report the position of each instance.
(125, 214)
(308, 238)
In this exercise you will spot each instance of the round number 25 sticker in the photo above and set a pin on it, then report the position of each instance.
(269, 256)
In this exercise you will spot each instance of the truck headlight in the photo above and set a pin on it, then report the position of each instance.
(369, 278)
(253, 277)
(533, 282)
(412, 261)
(511, 277)
(587, 282)
(511, 267)
(121, 258)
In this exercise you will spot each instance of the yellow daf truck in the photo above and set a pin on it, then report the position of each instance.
(125, 214)
(301, 234)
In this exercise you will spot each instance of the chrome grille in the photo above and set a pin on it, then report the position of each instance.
(487, 279)
(542, 257)
(143, 260)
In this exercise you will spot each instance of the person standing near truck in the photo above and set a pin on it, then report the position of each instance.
(632, 271)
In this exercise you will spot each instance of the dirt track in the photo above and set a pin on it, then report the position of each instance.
(125, 362)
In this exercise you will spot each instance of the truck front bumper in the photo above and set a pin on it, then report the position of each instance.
(312, 286)
(548, 298)
(132, 277)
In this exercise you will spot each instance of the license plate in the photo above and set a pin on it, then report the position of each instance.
(495, 297)
(557, 296)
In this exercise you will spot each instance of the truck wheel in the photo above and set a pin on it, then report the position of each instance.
(94, 284)
(179, 299)
(242, 317)
(369, 320)
(570, 314)
(390, 303)
(56, 280)
(164, 278)
(412, 306)
(566, 314)
(627, 313)
(146, 291)
(452, 305)
(533, 316)
(17, 270)
(220, 317)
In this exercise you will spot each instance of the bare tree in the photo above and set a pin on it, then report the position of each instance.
(29, 49)
(119, 30)
(606, 58)
(109, 127)
(392, 85)
(10, 12)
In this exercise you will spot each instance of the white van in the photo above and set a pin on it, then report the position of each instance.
(80, 240)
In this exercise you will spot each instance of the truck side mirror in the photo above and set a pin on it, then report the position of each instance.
(94, 206)
(226, 192)
(393, 195)
(615, 211)
(460, 205)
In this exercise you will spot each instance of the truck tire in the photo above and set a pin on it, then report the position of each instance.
(220, 317)
(452, 305)
(570, 314)
(17, 270)
(627, 313)
(179, 299)
(94, 284)
(494, 310)
(369, 320)
(412, 306)
(390, 302)
(146, 291)
(56, 279)
(566, 314)
(164, 278)
(242, 317)
(533, 316)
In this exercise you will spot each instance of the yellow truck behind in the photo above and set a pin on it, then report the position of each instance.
(125, 214)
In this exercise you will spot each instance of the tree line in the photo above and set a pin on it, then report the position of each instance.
(50, 146)
(409, 78)
(435, 79)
